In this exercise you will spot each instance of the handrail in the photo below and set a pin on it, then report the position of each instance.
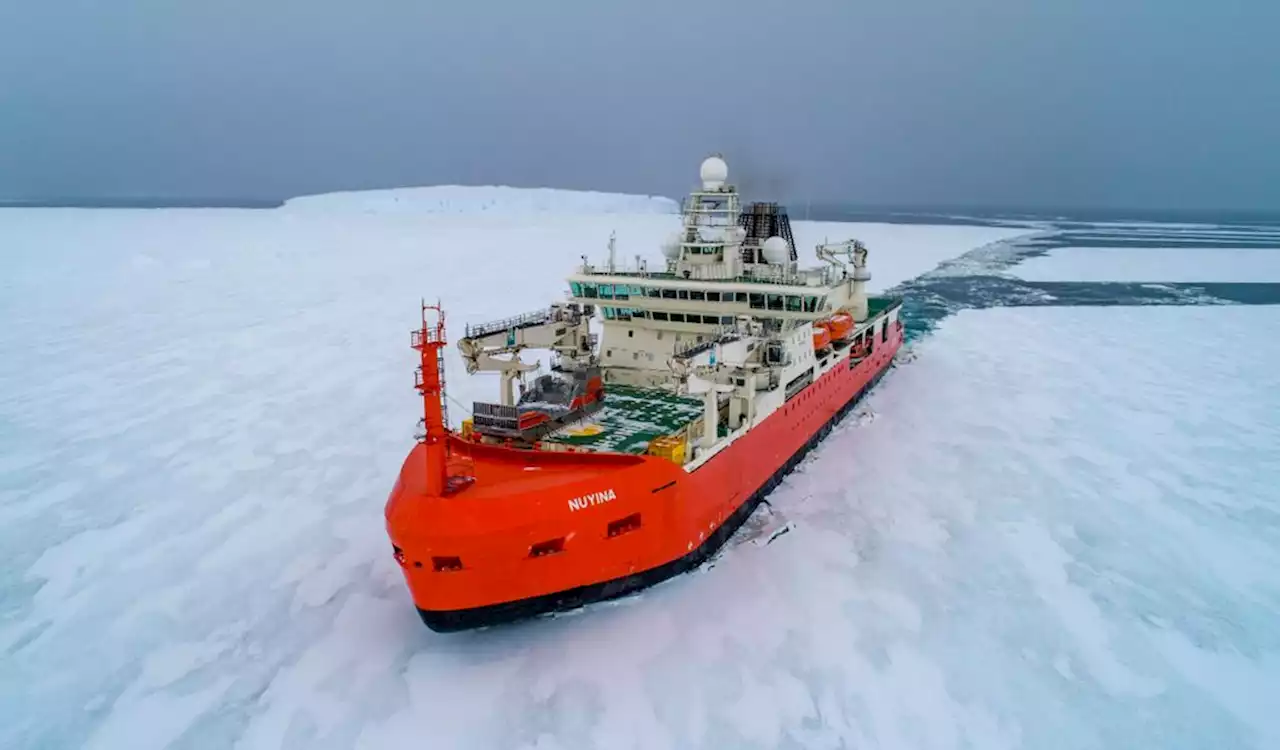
(536, 317)
(722, 336)
(823, 274)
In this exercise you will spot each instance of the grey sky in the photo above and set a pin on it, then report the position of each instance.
(1132, 103)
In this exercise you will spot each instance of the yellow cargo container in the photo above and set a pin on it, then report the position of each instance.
(669, 447)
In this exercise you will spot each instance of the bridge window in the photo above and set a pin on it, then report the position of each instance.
(810, 304)
(659, 316)
(668, 294)
(677, 317)
(606, 291)
(775, 301)
(621, 292)
(653, 291)
(727, 320)
(713, 296)
(576, 288)
(793, 303)
(757, 301)
(697, 296)
(589, 290)
(682, 294)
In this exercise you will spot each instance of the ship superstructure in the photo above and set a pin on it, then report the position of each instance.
(643, 448)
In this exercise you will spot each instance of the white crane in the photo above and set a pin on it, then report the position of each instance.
(496, 346)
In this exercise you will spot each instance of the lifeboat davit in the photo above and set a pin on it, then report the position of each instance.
(839, 326)
(821, 339)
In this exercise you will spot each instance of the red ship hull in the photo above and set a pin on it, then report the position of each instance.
(546, 531)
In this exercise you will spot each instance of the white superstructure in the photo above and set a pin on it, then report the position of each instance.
(728, 317)
(711, 278)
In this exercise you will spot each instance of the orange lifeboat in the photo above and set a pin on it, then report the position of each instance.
(821, 339)
(839, 326)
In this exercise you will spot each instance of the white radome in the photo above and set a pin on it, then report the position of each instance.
(776, 250)
(714, 172)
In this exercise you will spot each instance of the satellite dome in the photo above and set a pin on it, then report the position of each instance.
(714, 172)
(776, 250)
(671, 246)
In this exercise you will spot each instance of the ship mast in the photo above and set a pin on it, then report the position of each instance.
(429, 380)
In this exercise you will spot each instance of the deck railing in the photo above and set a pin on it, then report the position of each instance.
(538, 317)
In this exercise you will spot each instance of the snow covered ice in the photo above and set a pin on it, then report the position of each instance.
(471, 199)
(1153, 264)
(1048, 527)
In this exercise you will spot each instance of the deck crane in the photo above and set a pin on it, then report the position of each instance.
(496, 346)
(856, 252)
(720, 366)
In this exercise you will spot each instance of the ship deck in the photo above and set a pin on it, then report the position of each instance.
(629, 419)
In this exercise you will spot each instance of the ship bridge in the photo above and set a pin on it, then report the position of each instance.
(723, 265)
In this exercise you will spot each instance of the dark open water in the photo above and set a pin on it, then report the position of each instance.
(982, 278)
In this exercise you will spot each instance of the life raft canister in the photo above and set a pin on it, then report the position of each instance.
(839, 326)
(821, 339)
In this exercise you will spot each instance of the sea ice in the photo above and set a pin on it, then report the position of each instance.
(1152, 264)
(1060, 529)
(502, 200)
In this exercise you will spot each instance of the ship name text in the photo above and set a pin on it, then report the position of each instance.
(592, 498)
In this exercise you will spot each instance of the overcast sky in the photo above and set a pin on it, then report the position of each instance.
(1080, 103)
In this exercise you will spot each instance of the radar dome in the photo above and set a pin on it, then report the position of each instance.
(776, 250)
(671, 246)
(714, 172)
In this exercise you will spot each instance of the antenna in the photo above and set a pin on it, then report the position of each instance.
(613, 251)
